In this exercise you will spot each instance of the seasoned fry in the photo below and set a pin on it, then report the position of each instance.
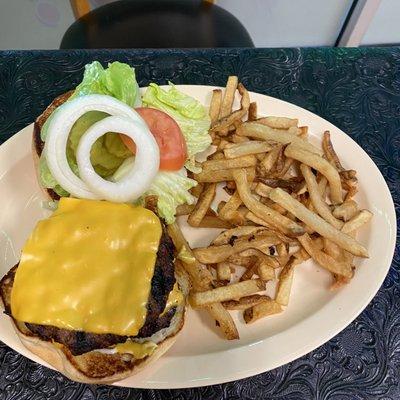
(196, 191)
(214, 222)
(231, 235)
(357, 221)
(263, 132)
(271, 216)
(322, 166)
(323, 259)
(252, 111)
(216, 254)
(236, 150)
(346, 210)
(222, 175)
(229, 96)
(278, 122)
(215, 105)
(285, 282)
(230, 292)
(263, 309)
(240, 162)
(317, 223)
(319, 204)
(202, 205)
(244, 302)
(224, 271)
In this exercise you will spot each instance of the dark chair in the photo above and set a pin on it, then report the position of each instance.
(156, 24)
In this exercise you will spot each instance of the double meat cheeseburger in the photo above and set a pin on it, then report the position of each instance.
(96, 293)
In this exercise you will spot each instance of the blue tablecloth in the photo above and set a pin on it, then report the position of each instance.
(356, 89)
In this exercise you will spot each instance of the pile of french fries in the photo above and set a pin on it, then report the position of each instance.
(289, 201)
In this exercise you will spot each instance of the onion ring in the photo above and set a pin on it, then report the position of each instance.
(59, 128)
(145, 168)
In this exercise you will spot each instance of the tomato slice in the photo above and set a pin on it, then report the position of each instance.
(166, 131)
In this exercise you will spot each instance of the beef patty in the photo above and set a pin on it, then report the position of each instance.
(79, 342)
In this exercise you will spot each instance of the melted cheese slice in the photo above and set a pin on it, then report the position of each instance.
(175, 298)
(88, 267)
(138, 350)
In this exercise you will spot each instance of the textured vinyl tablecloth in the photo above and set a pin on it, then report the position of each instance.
(356, 89)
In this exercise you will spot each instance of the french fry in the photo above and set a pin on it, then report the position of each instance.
(216, 254)
(224, 271)
(244, 302)
(270, 159)
(214, 222)
(240, 162)
(230, 206)
(323, 259)
(346, 210)
(250, 271)
(278, 122)
(322, 166)
(265, 271)
(239, 139)
(329, 151)
(196, 191)
(269, 215)
(261, 310)
(202, 205)
(229, 236)
(229, 96)
(215, 105)
(283, 254)
(230, 292)
(262, 189)
(263, 132)
(285, 282)
(319, 204)
(222, 175)
(224, 320)
(239, 259)
(285, 168)
(303, 132)
(252, 111)
(184, 209)
(262, 258)
(249, 147)
(357, 221)
(318, 224)
(293, 184)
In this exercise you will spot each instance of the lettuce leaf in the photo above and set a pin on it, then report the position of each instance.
(117, 80)
(171, 188)
(191, 116)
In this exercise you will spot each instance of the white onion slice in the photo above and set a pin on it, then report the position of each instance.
(58, 131)
(139, 178)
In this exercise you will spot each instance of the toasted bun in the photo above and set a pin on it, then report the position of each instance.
(38, 144)
(98, 366)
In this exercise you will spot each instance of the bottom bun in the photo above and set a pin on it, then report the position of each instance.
(94, 366)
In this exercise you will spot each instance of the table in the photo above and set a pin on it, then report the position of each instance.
(356, 89)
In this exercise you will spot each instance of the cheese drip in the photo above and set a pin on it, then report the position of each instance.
(88, 267)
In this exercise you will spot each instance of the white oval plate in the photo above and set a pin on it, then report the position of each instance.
(200, 356)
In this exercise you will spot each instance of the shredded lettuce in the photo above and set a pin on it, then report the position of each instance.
(171, 188)
(190, 115)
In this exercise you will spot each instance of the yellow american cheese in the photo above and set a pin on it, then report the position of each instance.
(88, 267)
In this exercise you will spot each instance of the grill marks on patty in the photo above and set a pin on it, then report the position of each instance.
(79, 342)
